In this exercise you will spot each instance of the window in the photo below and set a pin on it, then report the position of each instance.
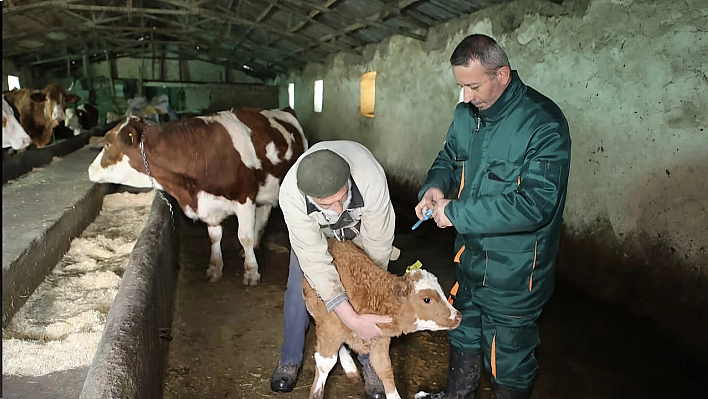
(13, 82)
(319, 88)
(462, 95)
(291, 95)
(367, 94)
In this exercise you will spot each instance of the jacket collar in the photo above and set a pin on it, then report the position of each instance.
(506, 101)
(356, 202)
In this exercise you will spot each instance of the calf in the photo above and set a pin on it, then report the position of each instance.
(215, 166)
(13, 135)
(414, 301)
(40, 111)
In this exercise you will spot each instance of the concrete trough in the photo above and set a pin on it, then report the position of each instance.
(42, 214)
(131, 359)
(18, 164)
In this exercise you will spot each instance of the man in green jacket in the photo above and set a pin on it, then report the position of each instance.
(505, 165)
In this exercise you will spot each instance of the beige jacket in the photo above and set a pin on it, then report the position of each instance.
(309, 228)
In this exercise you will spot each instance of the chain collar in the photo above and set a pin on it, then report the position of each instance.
(152, 180)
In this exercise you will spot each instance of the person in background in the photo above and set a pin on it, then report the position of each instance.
(500, 180)
(336, 189)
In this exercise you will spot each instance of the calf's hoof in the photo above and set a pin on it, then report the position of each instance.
(284, 377)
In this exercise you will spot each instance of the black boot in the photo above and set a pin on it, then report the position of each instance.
(373, 387)
(501, 392)
(462, 377)
(284, 377)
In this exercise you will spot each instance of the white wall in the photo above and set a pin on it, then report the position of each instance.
(631, 77)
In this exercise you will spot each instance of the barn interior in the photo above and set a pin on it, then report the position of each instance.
(629, 313)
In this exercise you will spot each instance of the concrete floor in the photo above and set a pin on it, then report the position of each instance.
(227, 337)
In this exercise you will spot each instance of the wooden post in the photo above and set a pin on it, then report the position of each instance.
(110, 74)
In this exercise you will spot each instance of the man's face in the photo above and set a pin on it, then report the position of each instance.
(480, 87)
(334, 203)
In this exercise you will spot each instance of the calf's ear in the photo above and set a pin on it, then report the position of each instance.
(401, 288)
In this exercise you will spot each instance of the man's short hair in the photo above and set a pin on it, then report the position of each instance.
(482, 49)
(322, 173)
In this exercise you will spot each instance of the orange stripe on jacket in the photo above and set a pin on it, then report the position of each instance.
(493, 356)
(453, 292)
(462, 181)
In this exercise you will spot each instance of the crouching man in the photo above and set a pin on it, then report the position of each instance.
(336, 189)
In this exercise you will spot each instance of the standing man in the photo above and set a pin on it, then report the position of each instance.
(336, 189)
(505, 163)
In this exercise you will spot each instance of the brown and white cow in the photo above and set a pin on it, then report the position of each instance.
(415, 302)
(40, 111)
(13, 134)
(215, 166)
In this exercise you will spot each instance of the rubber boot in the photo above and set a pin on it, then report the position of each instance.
(463, 376)
(373, 387)
(501, 392)
(284, 377)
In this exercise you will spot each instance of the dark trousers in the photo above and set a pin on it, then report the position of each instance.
(296, 319)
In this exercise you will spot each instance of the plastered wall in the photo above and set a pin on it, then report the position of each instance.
(632, 79)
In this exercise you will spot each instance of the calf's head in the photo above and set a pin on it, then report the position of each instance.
(423, 304)
(120, 160)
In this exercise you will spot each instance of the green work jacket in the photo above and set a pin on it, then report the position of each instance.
(507, 169)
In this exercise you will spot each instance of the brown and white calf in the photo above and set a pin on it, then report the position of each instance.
(414, 301)
(229, 163)
(40, 111)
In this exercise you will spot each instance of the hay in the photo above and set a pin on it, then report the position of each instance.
(60, 325)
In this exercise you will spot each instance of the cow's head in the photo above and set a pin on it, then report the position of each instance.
(13, 134)
(55, 102)
(424, 306)
(121, 161)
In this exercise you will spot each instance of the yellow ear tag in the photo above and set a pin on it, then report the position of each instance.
(132, 140)
(417, 265)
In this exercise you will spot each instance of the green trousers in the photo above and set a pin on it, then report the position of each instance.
(507, 341)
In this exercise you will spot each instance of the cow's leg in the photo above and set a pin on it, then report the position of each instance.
(381, 362)
(216, 262)
(325, 359)
(345, 359)
(246, 214)
(262, 214)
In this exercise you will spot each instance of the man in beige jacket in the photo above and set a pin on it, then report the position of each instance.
(336, 189)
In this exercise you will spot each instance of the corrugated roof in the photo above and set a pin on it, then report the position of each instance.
(270, 36)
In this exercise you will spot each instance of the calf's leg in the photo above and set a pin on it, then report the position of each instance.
(216, 262)
(262, 214)
(381, 362)
(246, 214)
(325, 359)
(345, 359)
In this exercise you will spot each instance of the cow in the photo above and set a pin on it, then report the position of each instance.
(40, 111)
(414, 301)
(231, 162)
(13, 135)
(81, 119)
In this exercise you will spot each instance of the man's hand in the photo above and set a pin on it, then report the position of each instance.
(439, 214)
(363, 325)
(431, 197)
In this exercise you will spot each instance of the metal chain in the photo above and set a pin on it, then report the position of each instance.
(152, 181)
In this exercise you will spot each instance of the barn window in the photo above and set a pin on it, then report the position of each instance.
(291, 95)
(13, 82)
(319, 88)
(367, 94)
(462, 95)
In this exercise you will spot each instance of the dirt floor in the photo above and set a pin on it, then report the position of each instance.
(227, 337)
